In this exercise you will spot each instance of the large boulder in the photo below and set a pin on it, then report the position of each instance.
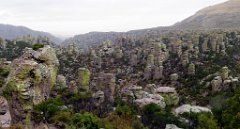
(29, 82)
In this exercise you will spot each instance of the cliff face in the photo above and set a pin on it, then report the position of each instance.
(29, 82)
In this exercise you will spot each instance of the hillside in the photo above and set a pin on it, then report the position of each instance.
(11, 32)
(222, 16)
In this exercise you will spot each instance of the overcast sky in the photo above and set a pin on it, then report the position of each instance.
(71, 17)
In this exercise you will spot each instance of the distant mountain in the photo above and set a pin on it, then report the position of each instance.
(11, 32)
(222, 16)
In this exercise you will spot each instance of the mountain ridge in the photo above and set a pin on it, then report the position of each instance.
(11, 32)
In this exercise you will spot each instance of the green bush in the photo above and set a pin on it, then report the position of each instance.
(123, 109)
(86, 120)
(47, 109)
(37, 46)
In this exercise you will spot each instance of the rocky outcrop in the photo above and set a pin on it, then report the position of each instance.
(31, 78)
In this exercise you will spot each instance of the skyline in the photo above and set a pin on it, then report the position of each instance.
(72, 17)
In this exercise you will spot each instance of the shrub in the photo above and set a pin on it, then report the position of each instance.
(86, 120)
(47, 109)
(37, 46)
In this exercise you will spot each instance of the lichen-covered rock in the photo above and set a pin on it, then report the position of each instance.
(186, 108)
(170, 95)
(30, 80)
(83, 79)
(5, 116)
(224, 73)
(47, 55)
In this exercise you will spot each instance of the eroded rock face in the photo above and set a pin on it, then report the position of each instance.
(30, 80)
(5, 116)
